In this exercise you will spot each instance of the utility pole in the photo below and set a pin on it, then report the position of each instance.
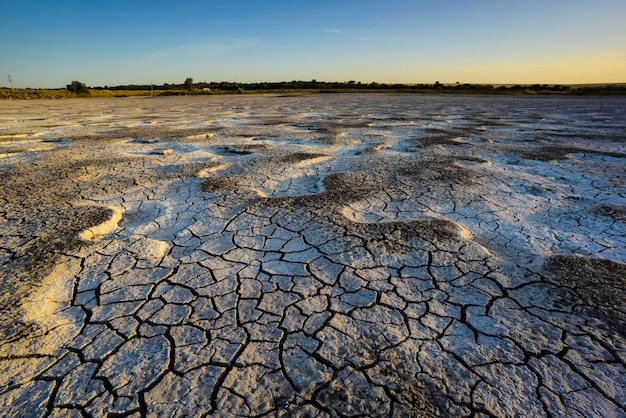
(10, 81)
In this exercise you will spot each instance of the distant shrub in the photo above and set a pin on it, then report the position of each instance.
(78, 87)
(188, 84)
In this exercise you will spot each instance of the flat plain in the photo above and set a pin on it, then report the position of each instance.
(324, 255)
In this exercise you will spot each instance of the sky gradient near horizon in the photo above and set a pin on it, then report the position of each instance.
(50, 43)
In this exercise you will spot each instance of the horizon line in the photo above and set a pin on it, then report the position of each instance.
(608, 83)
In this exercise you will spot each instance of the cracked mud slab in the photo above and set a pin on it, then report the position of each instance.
(351, 255)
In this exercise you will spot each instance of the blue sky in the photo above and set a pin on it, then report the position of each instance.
(99, 42)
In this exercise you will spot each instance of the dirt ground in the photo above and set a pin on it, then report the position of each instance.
(323, 255)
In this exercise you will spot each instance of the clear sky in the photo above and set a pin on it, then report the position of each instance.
(49, 43)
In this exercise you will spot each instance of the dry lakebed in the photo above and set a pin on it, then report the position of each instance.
(313, 256)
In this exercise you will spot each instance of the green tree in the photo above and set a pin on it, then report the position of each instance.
(77, 87)
(188, 84)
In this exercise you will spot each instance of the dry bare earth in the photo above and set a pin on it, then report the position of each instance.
(343, 255)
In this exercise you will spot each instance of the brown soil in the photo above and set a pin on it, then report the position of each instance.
(599, 284)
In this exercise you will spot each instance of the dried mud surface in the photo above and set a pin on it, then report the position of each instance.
(321, 256)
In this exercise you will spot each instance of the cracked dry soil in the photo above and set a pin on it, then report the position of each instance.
(335, 255)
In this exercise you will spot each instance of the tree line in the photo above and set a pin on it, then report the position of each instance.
(228, 86)
(213, 87)
(80, 89)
